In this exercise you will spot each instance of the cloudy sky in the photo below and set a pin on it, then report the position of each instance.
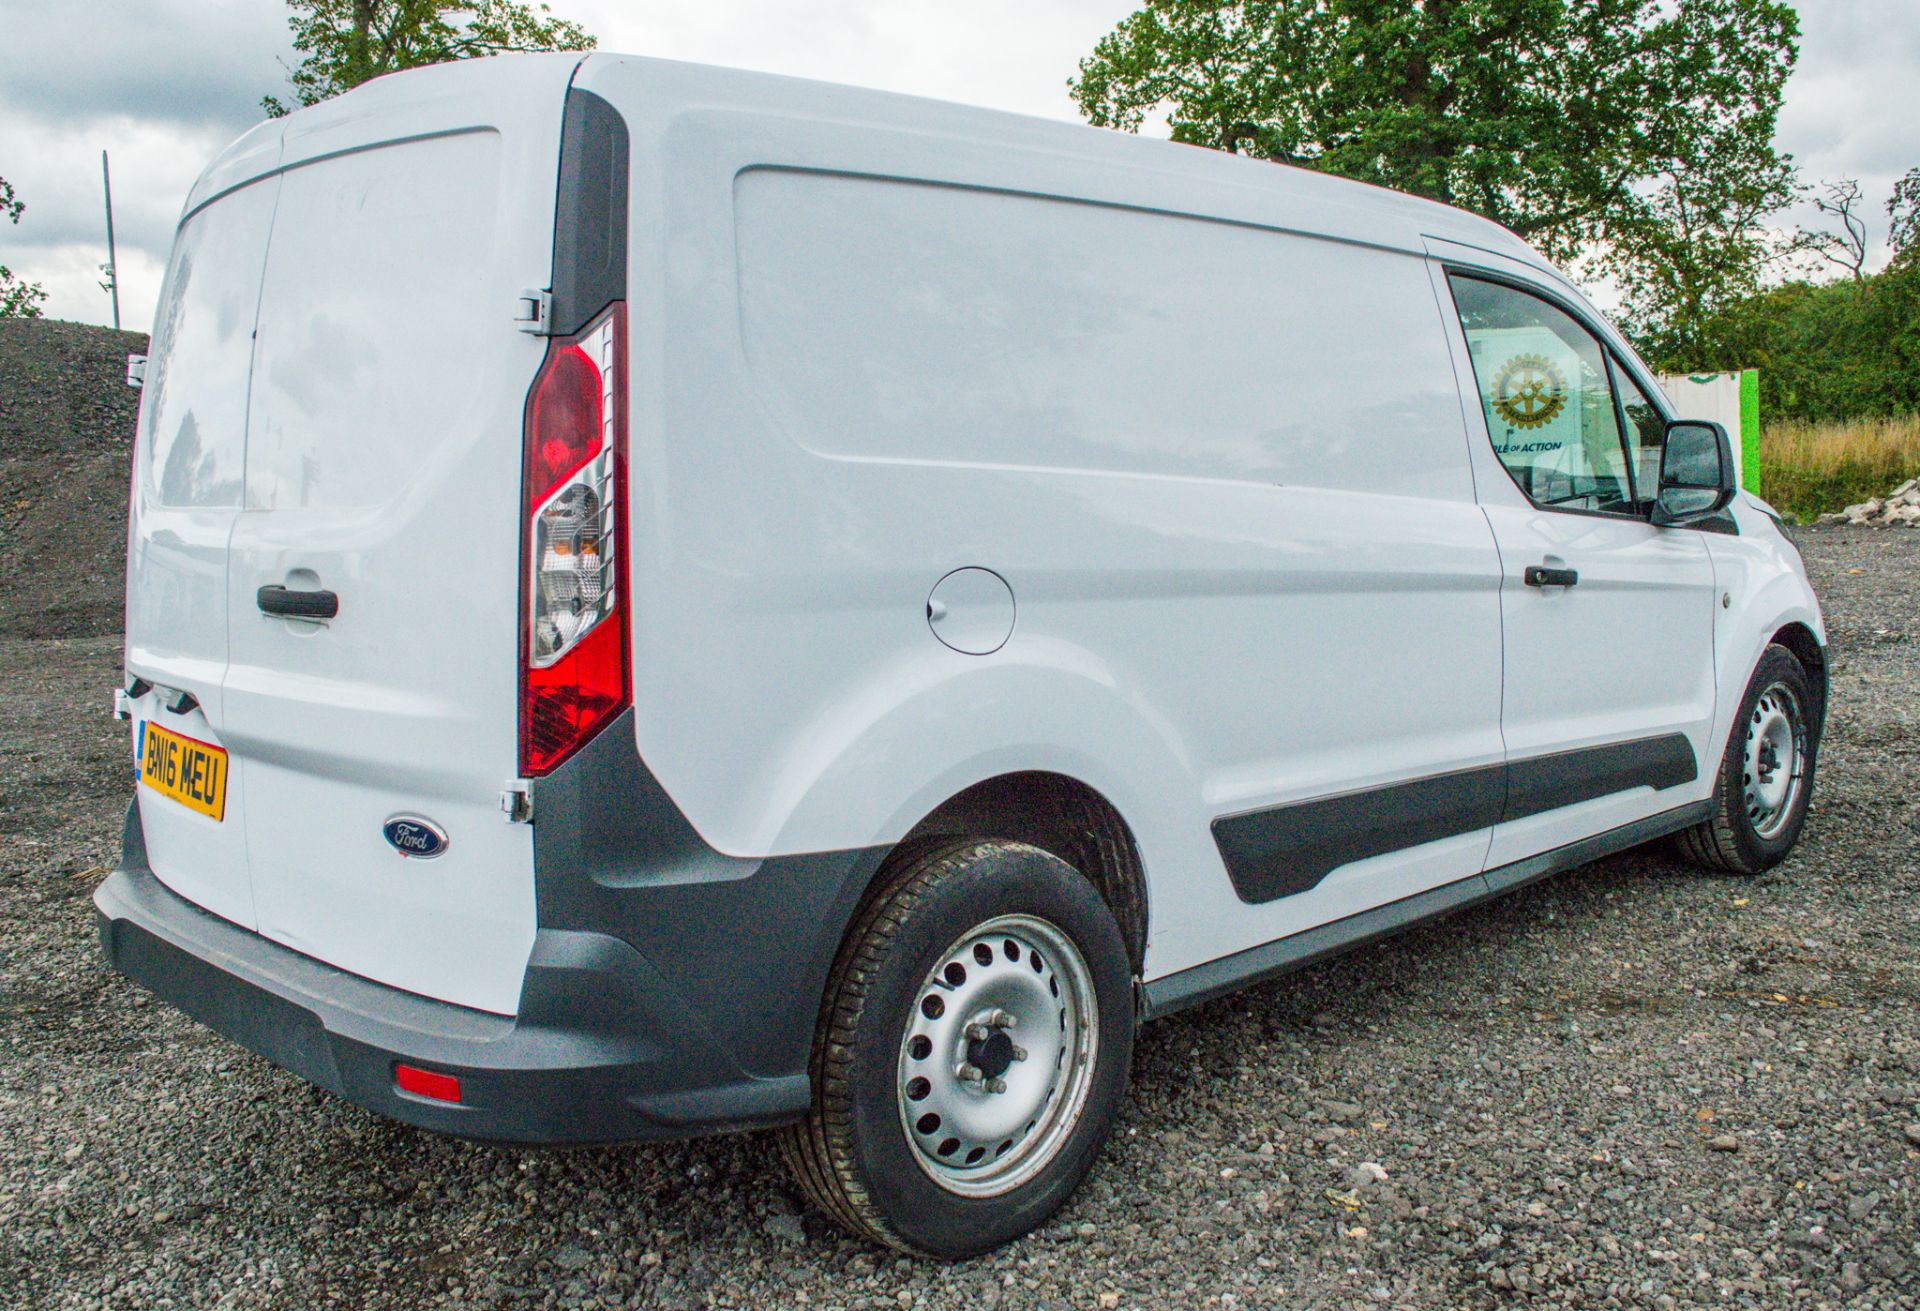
(163, 84)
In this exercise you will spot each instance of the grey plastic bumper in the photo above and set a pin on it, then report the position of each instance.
(604, 1048)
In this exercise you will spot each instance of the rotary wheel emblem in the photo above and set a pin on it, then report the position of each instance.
(1530, 392)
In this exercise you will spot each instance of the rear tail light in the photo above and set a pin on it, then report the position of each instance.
(574, 674)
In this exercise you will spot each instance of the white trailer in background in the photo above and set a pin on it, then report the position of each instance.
(1731, 400)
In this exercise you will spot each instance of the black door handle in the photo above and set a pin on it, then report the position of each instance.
(1540, 575)
(277, 600)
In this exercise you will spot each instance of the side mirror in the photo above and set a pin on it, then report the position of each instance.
(1696, 473)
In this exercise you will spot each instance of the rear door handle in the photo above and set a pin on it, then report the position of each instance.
(274, 599)
(1540, 575)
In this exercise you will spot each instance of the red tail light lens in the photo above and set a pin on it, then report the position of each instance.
(574, 674)
(426, 1083)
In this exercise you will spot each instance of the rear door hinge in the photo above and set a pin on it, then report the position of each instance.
(533, 312)
(516, 802)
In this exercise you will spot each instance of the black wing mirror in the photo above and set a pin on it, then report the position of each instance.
(1696, 473)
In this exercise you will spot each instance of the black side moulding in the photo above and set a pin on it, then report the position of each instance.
(1285, 850)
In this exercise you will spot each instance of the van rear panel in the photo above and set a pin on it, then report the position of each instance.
(371, 392)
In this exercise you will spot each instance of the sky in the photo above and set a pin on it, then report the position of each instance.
(163, 85)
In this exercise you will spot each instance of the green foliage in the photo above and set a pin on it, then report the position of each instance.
(1634, 133)
(1836, 352)
(18, 299)
(346, 42)
(1903, 218)
(1831, 352)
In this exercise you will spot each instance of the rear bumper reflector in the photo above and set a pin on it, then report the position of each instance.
(426, 1083)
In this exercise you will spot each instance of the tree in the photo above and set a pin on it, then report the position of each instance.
(1604, 129)
(1696, 244)
(18, 299)
(1847, 247)
(346, 42)
(1903, 217)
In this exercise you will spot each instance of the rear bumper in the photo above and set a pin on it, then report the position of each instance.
(604, 1048)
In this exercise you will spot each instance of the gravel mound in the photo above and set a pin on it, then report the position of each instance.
(1635, 1085)
(66, 440)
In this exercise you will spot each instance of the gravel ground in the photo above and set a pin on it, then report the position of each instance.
(1633, 1086)
(66, 436)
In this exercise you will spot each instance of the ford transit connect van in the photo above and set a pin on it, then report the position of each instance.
(664, 600)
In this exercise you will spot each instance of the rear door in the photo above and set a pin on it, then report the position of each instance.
(187, 491)
(383, 466)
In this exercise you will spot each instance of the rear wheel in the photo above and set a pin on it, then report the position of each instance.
(1766, 776)
(972, 1051)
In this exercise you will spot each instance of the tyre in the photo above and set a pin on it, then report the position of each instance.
(971, 1054)
(1766, 777)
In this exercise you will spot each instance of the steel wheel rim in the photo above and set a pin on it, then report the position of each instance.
(1773, 767)
(986, 1104)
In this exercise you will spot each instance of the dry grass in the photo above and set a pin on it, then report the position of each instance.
(1817, 468)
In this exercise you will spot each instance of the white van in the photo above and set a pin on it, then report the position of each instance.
(664, 600)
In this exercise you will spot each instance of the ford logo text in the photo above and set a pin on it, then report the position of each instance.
(412, 836)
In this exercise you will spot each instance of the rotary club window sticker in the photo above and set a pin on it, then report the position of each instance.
(1529, 391)
(1529, 380)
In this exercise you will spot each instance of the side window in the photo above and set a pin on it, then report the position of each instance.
(1646, 433)
(1547, 393)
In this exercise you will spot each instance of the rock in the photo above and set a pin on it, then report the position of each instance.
(1826, 519)
(787, 1228)
(1725, 1142)
(1913, 1134)
(1342, 1112)
(1368, 1173)
(1851, 1280)
(1911, 487)
(571, 1258)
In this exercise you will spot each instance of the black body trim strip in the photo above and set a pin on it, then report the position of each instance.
(1176, 992)
(1542, 783)
(1286, 850)
(590, 213)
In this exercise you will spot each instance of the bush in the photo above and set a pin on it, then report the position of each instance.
(1827, 353)
(1810, 469)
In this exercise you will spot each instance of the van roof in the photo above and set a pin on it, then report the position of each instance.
(426, 100)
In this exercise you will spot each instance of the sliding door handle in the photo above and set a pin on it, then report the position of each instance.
(289, 604)
(1540, 575)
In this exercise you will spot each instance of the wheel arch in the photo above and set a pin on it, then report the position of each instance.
(1806, 648)
(1062, 815)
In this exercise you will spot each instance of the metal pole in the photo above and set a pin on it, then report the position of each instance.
(113, 263)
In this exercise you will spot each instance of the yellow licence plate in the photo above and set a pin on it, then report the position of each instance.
(185, 769)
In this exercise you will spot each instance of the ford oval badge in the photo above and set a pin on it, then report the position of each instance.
(412, 836)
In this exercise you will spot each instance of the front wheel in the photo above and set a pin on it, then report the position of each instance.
(972, 1051)
(1766, 777)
